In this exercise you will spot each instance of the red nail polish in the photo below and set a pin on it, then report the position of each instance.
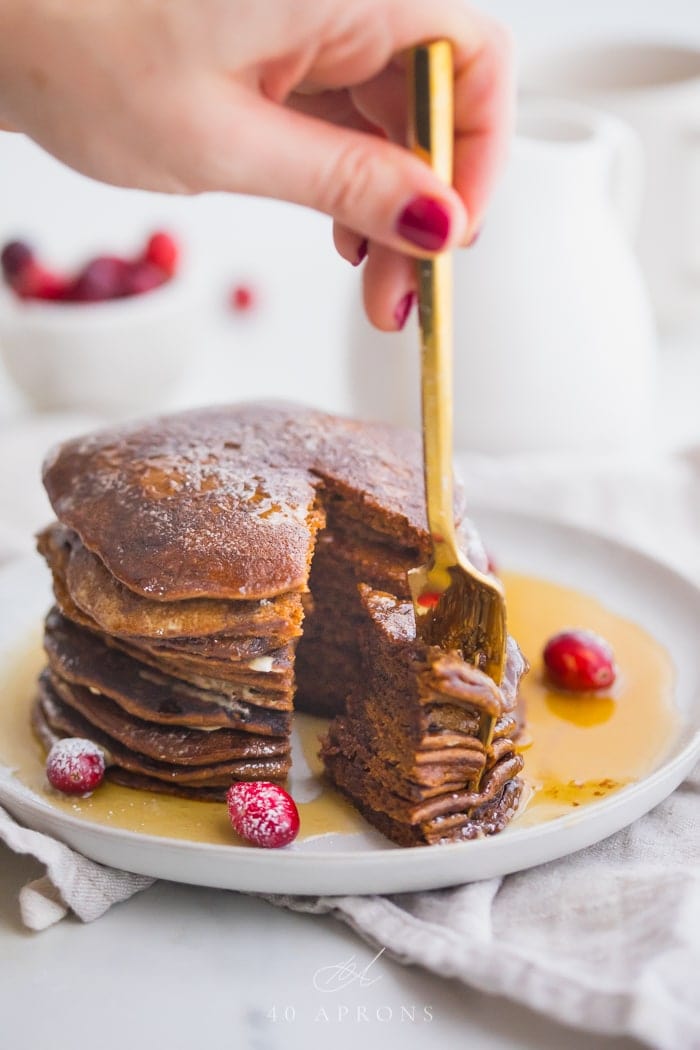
(425, 222)
(403, 309)
(361, 253)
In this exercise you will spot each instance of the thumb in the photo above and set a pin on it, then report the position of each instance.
(362, 181)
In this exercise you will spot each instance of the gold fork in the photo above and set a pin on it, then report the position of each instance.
(456, 606)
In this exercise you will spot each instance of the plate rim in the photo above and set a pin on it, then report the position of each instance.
(488, 843)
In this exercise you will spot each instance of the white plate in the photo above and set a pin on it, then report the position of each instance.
(630, 583)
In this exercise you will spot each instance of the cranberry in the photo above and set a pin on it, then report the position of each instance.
(52, 287)
(75, 766)
(143, 277)
(162, 251)
(15, 257)
(579, 660)
(242, 298)
(26, 277)
(35, 282)
(263, 813)
(102, 278)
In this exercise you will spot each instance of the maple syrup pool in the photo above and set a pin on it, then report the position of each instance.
(577, 748)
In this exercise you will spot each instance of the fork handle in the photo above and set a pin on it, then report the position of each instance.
(431, 136)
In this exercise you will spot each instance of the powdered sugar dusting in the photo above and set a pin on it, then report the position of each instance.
(69, 748)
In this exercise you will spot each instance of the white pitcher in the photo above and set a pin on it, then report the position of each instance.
(554, 338)
(655, 87)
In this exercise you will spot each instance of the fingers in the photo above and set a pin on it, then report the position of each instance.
(389, 287)
(362, 181)
(350, 245)
(484, 116)
(323, 149)
(484, 110)
(484, 101)
(484, 87)
(337, 107)
(389, 278)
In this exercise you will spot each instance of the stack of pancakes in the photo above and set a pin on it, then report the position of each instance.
(207, 570)
(185, 696)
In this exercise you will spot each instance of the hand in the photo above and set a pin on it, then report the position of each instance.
(303, 100)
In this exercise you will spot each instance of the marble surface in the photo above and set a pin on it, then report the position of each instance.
(177, 966)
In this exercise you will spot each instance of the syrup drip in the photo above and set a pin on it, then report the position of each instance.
(577, 748)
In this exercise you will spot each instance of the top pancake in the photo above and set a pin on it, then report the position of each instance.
(223, 502)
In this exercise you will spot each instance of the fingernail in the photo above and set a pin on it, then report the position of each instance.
(403, 309)
(361, 253)
(425, 222)
(475, 236)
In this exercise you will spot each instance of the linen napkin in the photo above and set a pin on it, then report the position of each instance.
(606, 939)
(72, 882)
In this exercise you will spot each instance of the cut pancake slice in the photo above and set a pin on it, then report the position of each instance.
(407, 752)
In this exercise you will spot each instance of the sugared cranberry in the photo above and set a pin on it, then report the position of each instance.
(75, 766)
(162, 251)
(15, 257)
(579, 660)
(143, 277)
(102, 278)
(263, 813)
(242, 298)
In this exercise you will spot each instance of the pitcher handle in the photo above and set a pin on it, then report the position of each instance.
(626, 172)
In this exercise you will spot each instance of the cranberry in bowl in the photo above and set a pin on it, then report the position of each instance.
(112, 335)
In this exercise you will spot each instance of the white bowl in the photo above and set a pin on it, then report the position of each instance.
(112, 358)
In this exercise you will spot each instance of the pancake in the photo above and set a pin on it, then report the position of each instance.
(407, 772)
(223, 502)
(139, 781)
(112, 608)
(181, 745)
(65, 721)
(81, 658)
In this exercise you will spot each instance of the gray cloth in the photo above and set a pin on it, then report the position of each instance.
(607, 939)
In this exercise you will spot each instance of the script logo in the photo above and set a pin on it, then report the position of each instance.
(336, 977)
